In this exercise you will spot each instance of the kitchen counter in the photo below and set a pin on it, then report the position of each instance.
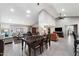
(7, 39)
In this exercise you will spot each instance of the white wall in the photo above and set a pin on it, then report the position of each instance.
(45, 20)
(67, 21)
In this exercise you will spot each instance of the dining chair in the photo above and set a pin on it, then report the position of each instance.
(1, 47)
(45, 41)
(37, 45)
(76, 42)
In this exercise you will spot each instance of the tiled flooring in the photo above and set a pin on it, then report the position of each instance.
(63, 47)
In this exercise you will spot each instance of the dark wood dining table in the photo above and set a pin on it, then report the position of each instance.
(29, 42)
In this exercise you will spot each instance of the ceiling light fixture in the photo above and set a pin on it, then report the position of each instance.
(62, 9)
(37, 3)
(28, 11)
(12, 10)
(64, 14)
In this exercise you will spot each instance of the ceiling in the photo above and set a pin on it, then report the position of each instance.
(19, 14)
(70, 9)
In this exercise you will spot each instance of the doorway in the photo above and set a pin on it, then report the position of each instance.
(69, 34)
(70, 28)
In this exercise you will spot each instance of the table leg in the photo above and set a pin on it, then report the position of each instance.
(29, 50)
(34, 52)
(22, 45)
(75, 49)
(49, 42)
(42, 47)
(46, 45)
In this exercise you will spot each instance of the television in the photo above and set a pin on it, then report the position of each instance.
(58, 29)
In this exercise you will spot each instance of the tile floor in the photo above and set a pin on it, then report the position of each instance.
(63, 47)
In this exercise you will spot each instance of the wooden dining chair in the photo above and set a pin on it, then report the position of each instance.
(37, 45)
(45, 41)
(1, 47)
(76, 42)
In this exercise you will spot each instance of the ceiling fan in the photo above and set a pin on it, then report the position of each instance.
(37, 3)
(62, 17)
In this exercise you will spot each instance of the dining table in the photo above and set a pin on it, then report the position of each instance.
(29, 40)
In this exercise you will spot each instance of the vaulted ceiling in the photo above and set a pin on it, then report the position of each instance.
(16, 12)
(20, 16)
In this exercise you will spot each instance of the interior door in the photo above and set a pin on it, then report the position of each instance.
(34, 30)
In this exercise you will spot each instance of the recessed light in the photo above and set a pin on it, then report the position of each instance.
(12, 10)
(62, 9)
(64, 14)
(27, 15)
(28, 11)
(10, 20)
